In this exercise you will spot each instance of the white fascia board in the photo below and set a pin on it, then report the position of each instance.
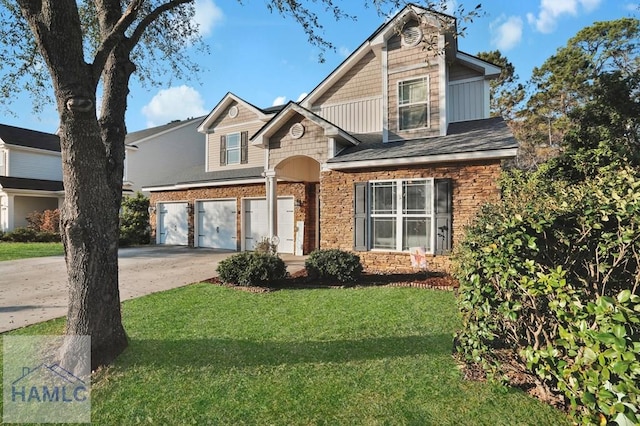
(33, 150)
(32, 192)
(488, 69)
(428, 159)
(201, 185)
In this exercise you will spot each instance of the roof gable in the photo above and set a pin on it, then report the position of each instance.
(262, 136)
(225, 102)
(18, 136)
(374, 43)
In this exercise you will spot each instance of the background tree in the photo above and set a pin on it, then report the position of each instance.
(506, 92)
(567, 79)
(80, 47)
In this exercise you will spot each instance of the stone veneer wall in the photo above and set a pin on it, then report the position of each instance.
(474, 184)
(304, 192)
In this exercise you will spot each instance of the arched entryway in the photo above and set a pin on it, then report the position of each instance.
(292, 187)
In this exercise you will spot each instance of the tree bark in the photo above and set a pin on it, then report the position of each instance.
(92, 164)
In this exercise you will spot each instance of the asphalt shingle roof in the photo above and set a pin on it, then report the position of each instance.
(134, 137)
(468, 136)
(8, 182)
(29, 138)
(197, 174)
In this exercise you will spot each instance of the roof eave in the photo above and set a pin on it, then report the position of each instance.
(496, 154)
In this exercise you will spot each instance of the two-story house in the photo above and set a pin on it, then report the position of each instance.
(154, 153)
(393, 150)
(30, 175)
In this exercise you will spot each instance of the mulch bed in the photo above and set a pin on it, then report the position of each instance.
(300, 280)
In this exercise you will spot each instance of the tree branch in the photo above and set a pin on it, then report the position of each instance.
(151, 17)
(116, 34)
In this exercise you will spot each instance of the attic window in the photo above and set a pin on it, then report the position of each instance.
(296, 131)
(411, 36)
(233, 111)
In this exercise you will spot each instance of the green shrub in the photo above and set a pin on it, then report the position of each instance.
(336, 264)
(552, 275)
(21, 235)
(29, 235)
(251, 269)
(134, 221)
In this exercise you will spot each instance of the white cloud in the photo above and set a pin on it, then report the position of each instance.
(551, 10)
(506, 33)
(280, 100)
(632, 7)
(302, 96)
(208, 15)
(175, 103)
(344, 51)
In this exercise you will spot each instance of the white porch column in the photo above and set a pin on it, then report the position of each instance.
(10, 211)
(272, 203)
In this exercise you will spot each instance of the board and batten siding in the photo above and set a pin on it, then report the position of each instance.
(244, 121)
(466, 101)
(32, 165)
(357, 116)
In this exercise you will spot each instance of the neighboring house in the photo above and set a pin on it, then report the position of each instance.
(155, 153)
(30, 175)
(393, 150)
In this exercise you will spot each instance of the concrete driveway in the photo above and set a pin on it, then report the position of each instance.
(35, 290)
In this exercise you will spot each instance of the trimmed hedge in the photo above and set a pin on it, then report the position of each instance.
(335, 264)
(252, 269)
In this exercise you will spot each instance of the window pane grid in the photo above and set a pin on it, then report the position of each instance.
(401, 214)
(233, 148)
(413, 104)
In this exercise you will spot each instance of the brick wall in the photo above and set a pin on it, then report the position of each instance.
(473, 185)
(304, 193)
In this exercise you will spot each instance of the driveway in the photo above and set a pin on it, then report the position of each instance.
(35, 290)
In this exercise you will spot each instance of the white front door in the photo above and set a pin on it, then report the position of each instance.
(172, 224)
(216, 224)
(256, 223)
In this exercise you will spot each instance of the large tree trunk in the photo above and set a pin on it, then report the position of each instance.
(92, 163)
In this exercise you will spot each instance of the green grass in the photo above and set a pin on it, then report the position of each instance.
(204, 354)
(13, 251)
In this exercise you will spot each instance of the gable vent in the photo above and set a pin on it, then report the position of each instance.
(411, 36)
(233, 111)
(296, 131)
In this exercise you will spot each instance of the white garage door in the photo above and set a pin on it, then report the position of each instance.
(172, 224)
(256, 224)
(216, 223)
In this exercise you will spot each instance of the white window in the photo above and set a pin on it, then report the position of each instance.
(413, 103)
(396, 215)
(401, 214)
(233, 148)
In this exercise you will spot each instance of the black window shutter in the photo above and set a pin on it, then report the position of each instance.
(361, 219)
(244, 147)
(443, 189)
(223, 150)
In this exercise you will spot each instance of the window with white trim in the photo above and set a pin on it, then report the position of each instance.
(413, 103)
(396, 215)
(233, 148)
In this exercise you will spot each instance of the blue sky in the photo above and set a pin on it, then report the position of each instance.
(266, 59)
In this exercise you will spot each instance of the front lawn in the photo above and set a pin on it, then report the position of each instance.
(13, 251)
(205, 354)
